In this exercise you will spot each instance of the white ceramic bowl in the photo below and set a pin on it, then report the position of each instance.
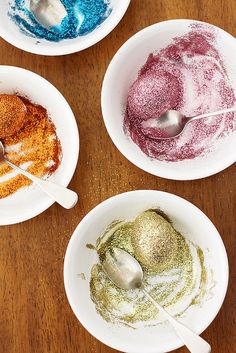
(188, 219)
(31, 201)
(123, 71)
(11, 33)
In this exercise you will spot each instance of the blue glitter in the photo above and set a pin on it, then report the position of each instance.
(92, 13)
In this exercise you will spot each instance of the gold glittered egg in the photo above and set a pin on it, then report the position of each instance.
(154, 241)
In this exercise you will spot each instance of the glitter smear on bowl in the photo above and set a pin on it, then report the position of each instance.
(83, 16)
(189, 76)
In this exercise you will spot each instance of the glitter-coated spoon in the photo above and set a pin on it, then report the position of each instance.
(65, 197)
(126, 273)
(48, 13)
(172, 123)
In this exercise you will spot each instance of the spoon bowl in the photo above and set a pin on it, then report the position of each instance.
(172, 123)
(126, 273)
(123, 269)
(168, 125)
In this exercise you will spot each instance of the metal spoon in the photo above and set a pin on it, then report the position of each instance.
(126, 273)
(48, 13)
(172, 123)
(65, 197)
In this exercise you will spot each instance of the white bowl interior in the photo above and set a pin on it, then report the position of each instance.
(122, 72)
(11, 33)
(30, 201)
(186, 218)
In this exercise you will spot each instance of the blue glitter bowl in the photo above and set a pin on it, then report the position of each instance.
(86, 23)
(83, 16)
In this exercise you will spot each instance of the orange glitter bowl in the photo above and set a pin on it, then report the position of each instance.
(30, 201)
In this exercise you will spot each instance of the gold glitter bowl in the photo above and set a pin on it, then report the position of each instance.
(188, 220)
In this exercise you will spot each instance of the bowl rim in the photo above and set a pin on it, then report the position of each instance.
(35, 212)
(73, 47)
(92, 215)
(108, 124)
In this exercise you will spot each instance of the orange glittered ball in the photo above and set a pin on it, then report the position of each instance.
(12, 115)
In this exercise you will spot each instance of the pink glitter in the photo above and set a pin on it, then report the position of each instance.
(188, 76)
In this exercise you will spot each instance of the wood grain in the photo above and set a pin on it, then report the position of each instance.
(34, 313)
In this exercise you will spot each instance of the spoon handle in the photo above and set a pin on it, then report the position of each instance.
(218, 112)
(65, 197)
(193, 342)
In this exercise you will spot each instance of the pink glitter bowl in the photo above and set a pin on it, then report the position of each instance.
(123, 71)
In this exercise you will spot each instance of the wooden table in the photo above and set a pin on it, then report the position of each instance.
(35, 316)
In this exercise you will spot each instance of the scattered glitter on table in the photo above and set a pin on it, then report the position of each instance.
(83, 16)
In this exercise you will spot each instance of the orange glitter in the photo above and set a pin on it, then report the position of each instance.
(12, 114)
(36, 143)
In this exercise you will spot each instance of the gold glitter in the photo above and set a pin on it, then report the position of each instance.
(202, 293)
(172, 280)
(154, 241)
(90, 246)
